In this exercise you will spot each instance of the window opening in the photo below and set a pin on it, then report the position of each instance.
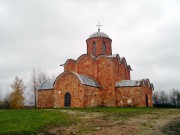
(104, 48)
(94, 49)
(67, 100)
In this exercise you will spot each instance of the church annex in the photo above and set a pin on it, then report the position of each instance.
(97, 78)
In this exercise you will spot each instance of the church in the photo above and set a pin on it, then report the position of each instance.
(97, 78)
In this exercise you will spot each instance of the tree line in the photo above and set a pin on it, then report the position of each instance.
(164, 99)
(16, 98)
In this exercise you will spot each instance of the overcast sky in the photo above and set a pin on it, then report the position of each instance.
(43, 34)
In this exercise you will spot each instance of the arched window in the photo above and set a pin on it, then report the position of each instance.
(104, 48)
(67, 100)
(94, 49)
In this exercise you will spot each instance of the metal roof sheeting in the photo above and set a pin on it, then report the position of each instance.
(128, 83)
(48, 84)
(99, 34)
(87, 80)
(112, 56)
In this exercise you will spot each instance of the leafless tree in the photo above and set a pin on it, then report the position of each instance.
(34, 87)
(37, 78)
(173, 97)
(6, 101)
(156, 98)
(178, 99)
(163, 97)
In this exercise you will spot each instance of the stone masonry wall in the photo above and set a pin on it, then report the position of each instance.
(133, 96)
(45, 98)
(70, 65)
(68, 82)
(88, 66)
(99, 42)
(105, 77)
(91, 96)
(85, 66)
(105, 70)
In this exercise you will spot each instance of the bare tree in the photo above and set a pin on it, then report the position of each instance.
(163, 97)
(42, 76)
(37, 78)
(173, 97)
(156, 98)
(6, 101)
(178, 99)
(34, 85)
(160, 98)
(16, 98)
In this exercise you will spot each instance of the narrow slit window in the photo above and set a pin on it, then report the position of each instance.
(94, 49)
(104, 48)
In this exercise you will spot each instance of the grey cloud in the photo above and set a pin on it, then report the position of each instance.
(43, 34)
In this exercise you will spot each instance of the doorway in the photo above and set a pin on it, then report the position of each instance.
(67, 100)
(147, 100)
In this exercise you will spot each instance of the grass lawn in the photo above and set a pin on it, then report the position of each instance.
(127, 111)
(30, 121)
(34, 121)
(119, 112)
(173, 128)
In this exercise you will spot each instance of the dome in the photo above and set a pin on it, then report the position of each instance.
(98, 34)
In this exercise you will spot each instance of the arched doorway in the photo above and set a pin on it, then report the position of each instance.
(67, 100)
(147, 101)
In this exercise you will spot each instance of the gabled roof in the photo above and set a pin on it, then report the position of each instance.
(134, 83)
(112, 56)
(128, 83)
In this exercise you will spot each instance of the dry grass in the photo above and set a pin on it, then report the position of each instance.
(91, 121)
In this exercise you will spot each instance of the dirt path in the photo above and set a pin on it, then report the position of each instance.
(97, 123)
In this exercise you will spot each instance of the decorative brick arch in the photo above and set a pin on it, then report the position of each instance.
(68, 82)
(85, 65)
(70, 65)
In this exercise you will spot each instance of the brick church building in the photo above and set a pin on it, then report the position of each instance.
(97, 78)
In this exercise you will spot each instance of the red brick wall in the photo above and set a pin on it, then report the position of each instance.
(147, 90)
(88, 66)
(105, 77)
(91, 96)
(133, 96)
(81, 95)
(120, 68)
(85, 65)
(123, 71)
(105, 70)
(70, 65)
(68, 82)
(99, 41)
(45, 98)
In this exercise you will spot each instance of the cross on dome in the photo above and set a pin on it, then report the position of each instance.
(99, 25)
